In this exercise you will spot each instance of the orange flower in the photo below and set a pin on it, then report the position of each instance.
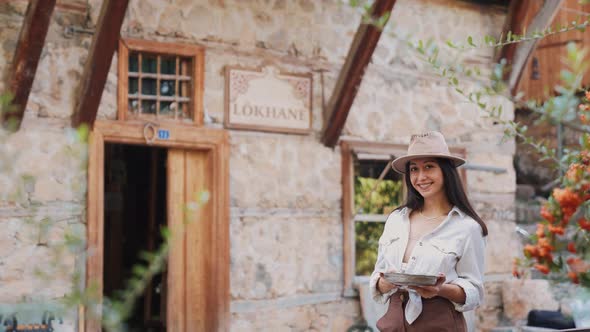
(574, 277)
(556, 230)
(531, 250)
(540, 230)
(547, 215)
(574, 172)
(584, 224)
(588, 94)
(542, 268)
(567, 212)
(578, 265)
(544, 243)
(545, 252)
(515, 272)
(567, 198)
(571, 247)
(583, 118)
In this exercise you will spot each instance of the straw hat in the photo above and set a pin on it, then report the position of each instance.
(430, 144)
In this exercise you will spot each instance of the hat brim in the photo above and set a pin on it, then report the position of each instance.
(399, 164)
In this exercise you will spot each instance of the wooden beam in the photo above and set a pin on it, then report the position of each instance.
(351, 74)
(525, 49)
(516, 22)
(99, 60)
(26, 58)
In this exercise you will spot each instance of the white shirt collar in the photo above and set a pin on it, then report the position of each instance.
(458, 211)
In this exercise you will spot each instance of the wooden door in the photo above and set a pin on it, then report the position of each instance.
(189, 269)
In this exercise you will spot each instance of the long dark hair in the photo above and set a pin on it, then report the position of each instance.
(453, 189)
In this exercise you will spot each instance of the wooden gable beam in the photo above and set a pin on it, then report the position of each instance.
(26, 58)
(516, 22)
(351, 74)
(524, 50)
(99, 60)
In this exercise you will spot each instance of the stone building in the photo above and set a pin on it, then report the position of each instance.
(277, 253)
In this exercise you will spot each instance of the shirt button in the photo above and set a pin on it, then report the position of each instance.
(420, 244)
(413, 258)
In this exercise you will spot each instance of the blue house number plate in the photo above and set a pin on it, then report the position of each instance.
(163, 134)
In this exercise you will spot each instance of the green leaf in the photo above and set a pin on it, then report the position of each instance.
(470, 41)
(382, 21)
(165, 231)
(139, 270)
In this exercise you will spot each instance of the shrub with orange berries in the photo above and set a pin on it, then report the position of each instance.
(560, 247)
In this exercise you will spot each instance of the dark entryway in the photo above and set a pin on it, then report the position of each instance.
(134, 213)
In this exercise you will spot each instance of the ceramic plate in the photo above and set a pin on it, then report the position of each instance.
(404, 279)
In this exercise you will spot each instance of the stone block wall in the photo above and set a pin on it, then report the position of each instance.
(286, 227)
(42, 191)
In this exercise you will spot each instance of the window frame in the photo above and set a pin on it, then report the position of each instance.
(195, 52)
(348, 149)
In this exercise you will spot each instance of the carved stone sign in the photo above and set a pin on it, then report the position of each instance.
(268, 100)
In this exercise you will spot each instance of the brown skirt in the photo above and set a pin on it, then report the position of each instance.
(438, 315)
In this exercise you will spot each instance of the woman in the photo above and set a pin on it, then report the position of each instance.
(436, 232)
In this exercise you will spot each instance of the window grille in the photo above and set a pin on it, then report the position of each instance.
(160, 81)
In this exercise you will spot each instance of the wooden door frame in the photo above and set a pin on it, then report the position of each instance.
(215, 142)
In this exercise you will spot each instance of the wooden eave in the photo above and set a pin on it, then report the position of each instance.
(26, 58)
(351, 75)
(518, 55)
(99, 60)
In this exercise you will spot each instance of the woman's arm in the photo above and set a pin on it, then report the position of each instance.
(470, 269)
(453, 293)
(381, 289)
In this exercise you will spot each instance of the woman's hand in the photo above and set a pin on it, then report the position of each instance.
(383, 285)
(428, 292)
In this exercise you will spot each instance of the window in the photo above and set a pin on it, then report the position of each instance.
(160, 81)
(378, 190)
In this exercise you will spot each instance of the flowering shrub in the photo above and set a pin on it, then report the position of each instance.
(561, 245)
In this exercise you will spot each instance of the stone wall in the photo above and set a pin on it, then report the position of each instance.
(286, 229)
(43, 178)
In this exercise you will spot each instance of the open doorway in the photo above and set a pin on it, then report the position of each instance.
(135, 210)
(193, 294)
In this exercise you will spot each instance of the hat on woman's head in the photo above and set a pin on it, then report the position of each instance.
(430, 144)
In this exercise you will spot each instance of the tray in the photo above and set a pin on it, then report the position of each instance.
(404, 279)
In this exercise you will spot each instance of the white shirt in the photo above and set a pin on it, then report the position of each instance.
(456, 248)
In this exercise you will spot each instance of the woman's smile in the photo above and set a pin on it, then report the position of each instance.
(424, 186)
